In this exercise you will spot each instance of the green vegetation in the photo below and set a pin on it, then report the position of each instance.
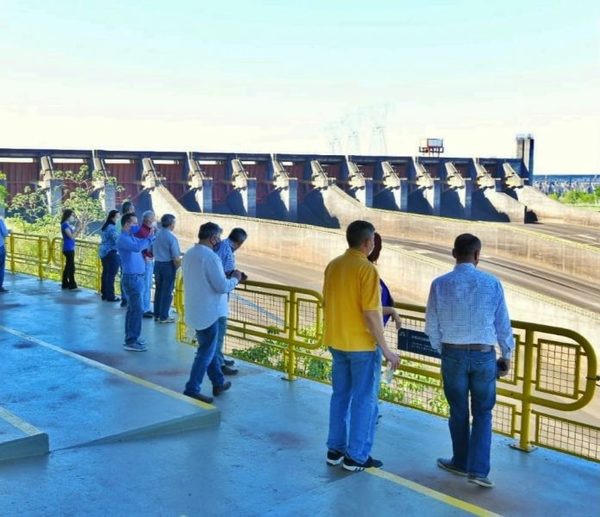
(29, 213)
(578, 197)
(409, 389)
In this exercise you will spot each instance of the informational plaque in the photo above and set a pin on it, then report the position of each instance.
(416, 342)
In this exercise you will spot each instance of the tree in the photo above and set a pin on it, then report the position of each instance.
(30, 210)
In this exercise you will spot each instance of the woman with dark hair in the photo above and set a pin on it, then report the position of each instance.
(68, 234)
(109, 256)
(387, 302)
(388, 311)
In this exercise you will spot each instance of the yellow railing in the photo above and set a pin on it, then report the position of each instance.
(554, 370)
(41, 256)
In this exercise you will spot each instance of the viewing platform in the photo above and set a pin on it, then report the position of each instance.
(122, 440)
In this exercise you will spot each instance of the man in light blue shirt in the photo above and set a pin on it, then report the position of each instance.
(167, 256)
(133, 268)
(226, 251)
(3, 235)
(466, 317)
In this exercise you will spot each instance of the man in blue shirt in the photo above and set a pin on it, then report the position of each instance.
(133, 269)
(466, 317)
(3, 235)
(226, 251)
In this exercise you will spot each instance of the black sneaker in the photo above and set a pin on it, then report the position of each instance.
(149, 315)
(334, 457)
(228, 362)
(354, 466)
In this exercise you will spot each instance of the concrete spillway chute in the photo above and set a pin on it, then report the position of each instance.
(103, 184)
(318, 176)
(281, 179)
(359, 186)
(427, 190)
(283, 200)
(51, 185)
(454, 179)
(389, 178)
(483, 177)
(242, 200)
(511, 178)
(150, 176)
(239, 176)
(200, 187)
(457, 195)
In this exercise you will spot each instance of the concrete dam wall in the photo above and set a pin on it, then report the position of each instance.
(405, 271)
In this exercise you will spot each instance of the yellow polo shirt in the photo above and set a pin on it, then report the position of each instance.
(351, 287)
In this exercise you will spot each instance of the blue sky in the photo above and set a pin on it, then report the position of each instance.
(303, 77)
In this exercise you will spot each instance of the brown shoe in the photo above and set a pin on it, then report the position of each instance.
(217, 390)
(199, 396)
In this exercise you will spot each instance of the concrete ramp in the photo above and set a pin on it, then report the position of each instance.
(540, 208)
(78, 401)
(19, 439)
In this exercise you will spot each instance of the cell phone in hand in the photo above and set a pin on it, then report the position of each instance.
(501, 367)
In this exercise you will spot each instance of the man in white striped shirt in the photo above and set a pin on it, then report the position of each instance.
(466, 317)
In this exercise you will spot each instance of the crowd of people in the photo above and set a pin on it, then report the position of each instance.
(466, 318)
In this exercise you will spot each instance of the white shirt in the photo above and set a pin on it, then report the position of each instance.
(467, 306)
(205, 287)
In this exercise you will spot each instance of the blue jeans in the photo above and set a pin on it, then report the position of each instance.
(147, 285)
(205, 360)
(133, 286)
(164, 279)
(2, 264)
(110, 268)
(220, 341)
(473, 373)
(353, 407)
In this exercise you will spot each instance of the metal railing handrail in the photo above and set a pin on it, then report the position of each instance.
(288, 336)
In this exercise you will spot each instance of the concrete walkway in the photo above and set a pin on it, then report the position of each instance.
(266, 457)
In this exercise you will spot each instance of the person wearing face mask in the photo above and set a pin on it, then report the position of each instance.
(353, 331)
(148, 226)
(205, 290)
(133, 270)
(226, 252)
(67, 230)
(126, 208)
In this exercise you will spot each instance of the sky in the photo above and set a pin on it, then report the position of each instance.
(308, 77)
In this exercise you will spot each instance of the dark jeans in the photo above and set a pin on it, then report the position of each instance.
(133, 287)
(164, 282)
(205, 361)
(68, 277)
(110, 268)
(470, 375)
(2, 264)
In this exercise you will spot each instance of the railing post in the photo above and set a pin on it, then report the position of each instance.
(291, 352)
(528, 366)
(40, 254)
(11, 245)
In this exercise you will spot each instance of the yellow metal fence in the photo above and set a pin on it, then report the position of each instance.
(541, 401)
(553, 374)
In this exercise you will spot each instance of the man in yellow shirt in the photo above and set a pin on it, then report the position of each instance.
(354, 335)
